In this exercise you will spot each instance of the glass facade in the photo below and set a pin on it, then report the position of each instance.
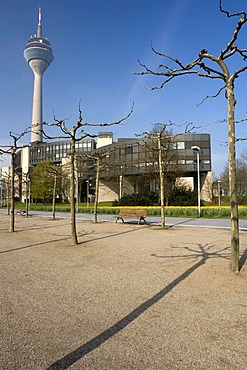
(56, 151)
(139, 156)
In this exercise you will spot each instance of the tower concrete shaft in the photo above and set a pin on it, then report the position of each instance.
(38, 54)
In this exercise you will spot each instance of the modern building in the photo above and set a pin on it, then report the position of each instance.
(129, 165)
(38, 54)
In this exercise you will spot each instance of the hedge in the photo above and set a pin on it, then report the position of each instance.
(175, 211)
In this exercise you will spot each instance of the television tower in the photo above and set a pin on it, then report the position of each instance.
(38, 54)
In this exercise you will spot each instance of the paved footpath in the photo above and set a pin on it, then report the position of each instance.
(170, 221)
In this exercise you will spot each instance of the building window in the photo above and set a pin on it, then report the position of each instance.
(128, 150)
(135, 148)
(180, 145)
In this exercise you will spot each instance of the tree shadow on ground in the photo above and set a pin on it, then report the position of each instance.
(83, 234)
(19, 229)
(225, 253)
(203, 255)
(67, 237)
(204, 252)
(33, 245)
(181, 222)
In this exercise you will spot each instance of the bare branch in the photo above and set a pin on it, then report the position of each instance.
(241, 139)
(229, 15)
(189, 128)
(237, 73)
(111, 123)
(243, 53)
(241, 120)
(191, 68)
(176, 61)
(211, 96)
(230, 46)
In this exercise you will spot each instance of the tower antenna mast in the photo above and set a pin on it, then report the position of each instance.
(39, 31)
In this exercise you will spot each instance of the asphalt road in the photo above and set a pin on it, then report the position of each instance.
(170, 221)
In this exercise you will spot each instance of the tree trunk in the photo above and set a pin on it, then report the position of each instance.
(8, 191)
(233, 178)
(96, 191)
(12, 194)
(54, 198)
(27, 194)
(162, 205)
(72, 194)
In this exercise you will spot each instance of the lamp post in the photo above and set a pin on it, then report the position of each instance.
(197, 149)
(87, 181)
(1, 189)
(29, 192)
(219, 182)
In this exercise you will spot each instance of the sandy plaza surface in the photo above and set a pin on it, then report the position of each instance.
(127, 296)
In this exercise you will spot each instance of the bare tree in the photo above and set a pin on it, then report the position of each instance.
(76, 134)
(55, 173)
(96, 198)
(97, 157)
(160, 142)
(6, 189)
(162, 193)
(71, 134)
(157, 134)
(26, 181)
(12, 150)
(199, 67)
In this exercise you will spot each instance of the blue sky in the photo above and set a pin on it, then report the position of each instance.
(97, 44)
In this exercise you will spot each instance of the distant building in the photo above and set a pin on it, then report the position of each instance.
(130, 165)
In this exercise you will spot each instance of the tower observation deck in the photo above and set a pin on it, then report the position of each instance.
(38, 54)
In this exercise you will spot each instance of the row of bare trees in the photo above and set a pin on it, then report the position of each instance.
(74, 134)
(214, 67)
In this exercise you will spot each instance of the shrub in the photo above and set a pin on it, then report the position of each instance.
(137, 200)
(182, 197)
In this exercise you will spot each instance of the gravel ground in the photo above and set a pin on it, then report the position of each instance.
(126, 297)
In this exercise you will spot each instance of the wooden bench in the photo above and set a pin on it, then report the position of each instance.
(140, 214)
(21, 211)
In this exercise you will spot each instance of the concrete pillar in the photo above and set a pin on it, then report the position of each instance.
(108, 191)
(206, 186)
(25, 176)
